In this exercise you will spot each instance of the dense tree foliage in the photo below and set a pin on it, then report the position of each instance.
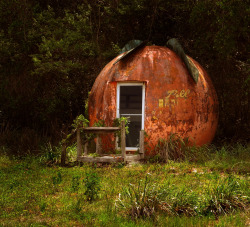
(51, 51)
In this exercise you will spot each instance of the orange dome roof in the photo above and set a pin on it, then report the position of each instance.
(173, 102)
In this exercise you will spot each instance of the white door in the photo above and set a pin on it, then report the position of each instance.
(130, 103)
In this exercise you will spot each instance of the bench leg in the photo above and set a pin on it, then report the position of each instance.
(79, 143)
(98, 144)
(123, 140)
(86, 149)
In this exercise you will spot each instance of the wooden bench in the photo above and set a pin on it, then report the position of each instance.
(99, 131)
(101, 157)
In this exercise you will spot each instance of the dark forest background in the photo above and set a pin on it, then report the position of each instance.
(51, 51)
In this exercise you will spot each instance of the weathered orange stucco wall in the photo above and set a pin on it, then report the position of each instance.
(174, 103)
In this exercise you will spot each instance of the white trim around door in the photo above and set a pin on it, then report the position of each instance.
(118, 115)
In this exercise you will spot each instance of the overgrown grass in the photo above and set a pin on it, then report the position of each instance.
(202, 192)
(226, 158)
(224, 196)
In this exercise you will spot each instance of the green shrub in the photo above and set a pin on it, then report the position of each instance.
(57, 179)
(71, 152)
(80, 121)
(92, 185)
(117, 123)
(75, 183)
(50, 154)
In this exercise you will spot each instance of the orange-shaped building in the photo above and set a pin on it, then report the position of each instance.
(153, 87)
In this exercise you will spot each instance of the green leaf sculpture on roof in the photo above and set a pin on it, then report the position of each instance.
(131, 45)
(174, 45)
(130, 48)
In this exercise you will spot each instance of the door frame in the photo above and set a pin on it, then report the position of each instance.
(119, 84)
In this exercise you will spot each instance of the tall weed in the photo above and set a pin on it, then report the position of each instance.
(173, 148)
(139, 201)
(225, 196)
(184, 202)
